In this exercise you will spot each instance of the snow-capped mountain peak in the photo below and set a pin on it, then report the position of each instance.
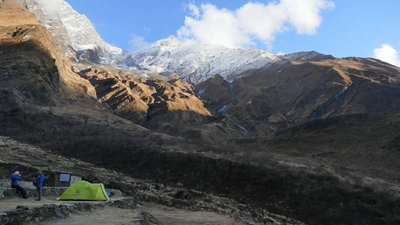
(197, 62)
(193, 62)
(72, 31)
(169, 41)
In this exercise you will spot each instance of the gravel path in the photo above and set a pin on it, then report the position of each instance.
(161, 215)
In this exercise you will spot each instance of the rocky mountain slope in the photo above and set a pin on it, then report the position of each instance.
(282, 94)
(143, 101)
(72, 31)
(298, 91)
(304, 136)
(33, 69)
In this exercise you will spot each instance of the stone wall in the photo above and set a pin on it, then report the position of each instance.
(25, 215)
(7, 192)
(6, 183)
(46, 191)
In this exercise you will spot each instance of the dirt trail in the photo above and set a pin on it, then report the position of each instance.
(112, 215)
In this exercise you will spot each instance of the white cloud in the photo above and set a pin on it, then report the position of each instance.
(305, 15)
(387, 54)
(137, 42)
(214, 26)
(253, 22)
(193, 9)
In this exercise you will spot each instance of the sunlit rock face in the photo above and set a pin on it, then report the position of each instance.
(72, 31)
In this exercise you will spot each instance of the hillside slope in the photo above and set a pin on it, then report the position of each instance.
(293, 92)
(32, 67)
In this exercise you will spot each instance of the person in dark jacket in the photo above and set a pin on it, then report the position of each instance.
(14, 184)
(39, 183)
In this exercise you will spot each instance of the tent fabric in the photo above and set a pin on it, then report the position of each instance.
(83, 190)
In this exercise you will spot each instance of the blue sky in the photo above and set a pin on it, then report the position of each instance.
(338, 27)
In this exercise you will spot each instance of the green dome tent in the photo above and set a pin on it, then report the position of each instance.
(83, 190)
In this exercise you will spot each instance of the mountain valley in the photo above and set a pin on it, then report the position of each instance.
(303, 138)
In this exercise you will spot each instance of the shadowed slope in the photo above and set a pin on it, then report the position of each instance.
(32, 67)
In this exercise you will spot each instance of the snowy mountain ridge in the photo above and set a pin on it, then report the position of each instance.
(193, 62)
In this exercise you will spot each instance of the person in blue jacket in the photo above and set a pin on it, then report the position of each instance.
(14, 184)
(39, 183)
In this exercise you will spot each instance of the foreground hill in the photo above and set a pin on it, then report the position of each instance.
(314, 141)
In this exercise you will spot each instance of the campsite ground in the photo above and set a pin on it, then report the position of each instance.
(112, 215)
(26, 158)
(12, 203)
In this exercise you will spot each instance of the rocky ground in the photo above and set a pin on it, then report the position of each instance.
(160, 202)
(151, 213)
(145, 213)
